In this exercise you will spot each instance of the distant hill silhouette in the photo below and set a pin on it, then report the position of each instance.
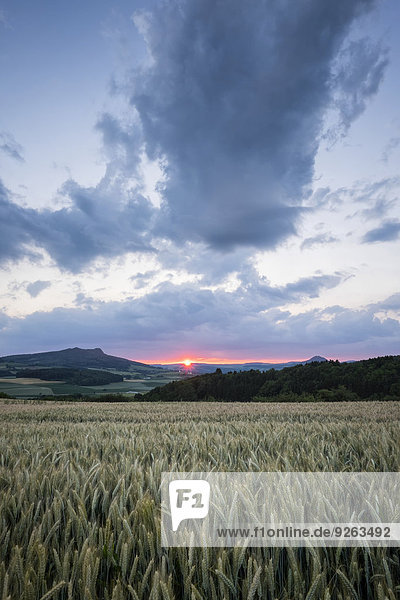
(92, 358)
(199, 368)
(316, 359)
(317, 380)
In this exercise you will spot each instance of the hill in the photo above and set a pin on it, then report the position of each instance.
(373, 379)
(92, 358)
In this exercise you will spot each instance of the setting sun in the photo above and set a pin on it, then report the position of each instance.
(187, 362)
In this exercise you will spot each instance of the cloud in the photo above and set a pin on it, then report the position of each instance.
(389, 304)
(101, 221)
(177, 320)
(235, 105)
(36, 287)
(379, 197)
(201, 260)
(376, 197)
(84, 301)
(318, 240)
(15, 229)
(9, 145)
(262, 295)
(142, 280)
(379, 208)
(310, 287)
(388, 231)
(122, 144)
(392, 144)
(231, 103)
(358, 72)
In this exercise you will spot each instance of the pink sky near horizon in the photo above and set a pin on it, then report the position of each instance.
(234, 360)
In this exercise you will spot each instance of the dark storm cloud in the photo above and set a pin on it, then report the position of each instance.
(101, 221)
(15, 229)
(388, 231)
(36, 287)
(232, 101)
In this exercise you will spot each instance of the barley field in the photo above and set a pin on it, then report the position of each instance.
(80, 506)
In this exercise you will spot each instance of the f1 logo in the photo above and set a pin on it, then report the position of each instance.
(189, 499)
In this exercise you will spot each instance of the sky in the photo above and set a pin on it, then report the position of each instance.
(214, 180)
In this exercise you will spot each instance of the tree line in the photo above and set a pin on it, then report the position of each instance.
(373, 379)
(72, 376)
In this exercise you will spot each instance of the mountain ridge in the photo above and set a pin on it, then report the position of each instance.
(75, 357)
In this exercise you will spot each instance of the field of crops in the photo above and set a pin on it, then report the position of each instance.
(31, 388)
(80, 506)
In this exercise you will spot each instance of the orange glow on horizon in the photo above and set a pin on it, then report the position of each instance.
(220, 361)
(223, 361)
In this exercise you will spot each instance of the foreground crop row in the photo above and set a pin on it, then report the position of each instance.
(80, 507)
